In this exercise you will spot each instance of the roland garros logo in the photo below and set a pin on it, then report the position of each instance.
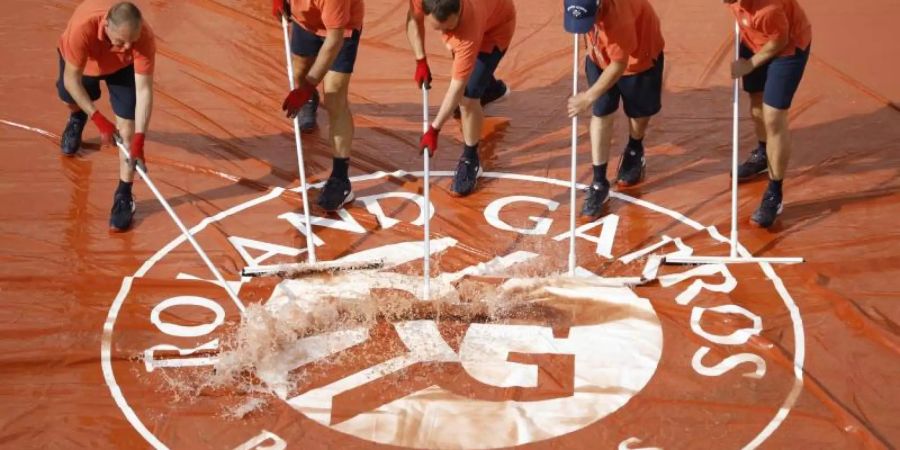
(592, 364)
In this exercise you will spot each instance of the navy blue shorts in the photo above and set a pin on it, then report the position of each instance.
(122, 92)
(641, 93)
(483, 75)
(307, 44)
(778, 79)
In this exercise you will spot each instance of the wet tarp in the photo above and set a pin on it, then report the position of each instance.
(121, 340)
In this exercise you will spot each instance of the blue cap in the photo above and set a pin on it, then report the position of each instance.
(579, 15)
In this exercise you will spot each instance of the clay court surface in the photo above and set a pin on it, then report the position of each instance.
(111, 340)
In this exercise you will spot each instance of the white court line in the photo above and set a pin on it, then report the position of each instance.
(27, 128)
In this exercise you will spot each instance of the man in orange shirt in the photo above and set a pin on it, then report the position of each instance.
(324, 42)
(625, 63)
(775, 42)
(478, 32)
(415, 32)
(109, 41)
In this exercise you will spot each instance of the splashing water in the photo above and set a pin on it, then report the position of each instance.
(305, 320)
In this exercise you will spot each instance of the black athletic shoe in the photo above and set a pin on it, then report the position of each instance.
(496, 91)
(335, 194)
(466, 177)
(756, 164)
(307, 115)
(632, 168)
(769, 209)
(595, 196)
(71, 135)
(122, 212)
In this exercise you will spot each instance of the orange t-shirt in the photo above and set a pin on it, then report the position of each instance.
(318, 16)
(762, 21)
(483, 26)
(84, 43)
(626, 31)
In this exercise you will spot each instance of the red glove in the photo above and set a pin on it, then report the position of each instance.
(137, 151)
(107, 129)
(430, 140)
(423, 73)
(297, 98)
(281, 8)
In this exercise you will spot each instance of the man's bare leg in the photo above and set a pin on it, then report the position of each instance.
(337, 191)
(472, 115)
(637, 127)
(469, 167)
(340, 118)
(779, 152)
(756, 163)
(778, 141)
(601, 141)
(631, 167)
(126, 132)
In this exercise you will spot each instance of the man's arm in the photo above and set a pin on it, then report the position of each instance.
(451, 101)
(415, 32)
(769, 51)
(607, 80)
(72, 81)
(144, 107)
(464, 62)
(334, 40)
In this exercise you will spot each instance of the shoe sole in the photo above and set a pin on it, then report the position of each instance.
(759, 225)
(350, 197)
